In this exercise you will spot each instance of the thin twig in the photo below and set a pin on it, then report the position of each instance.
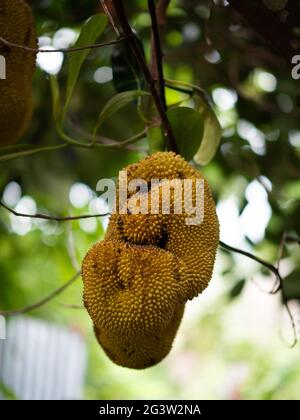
(157, 61)
(285, 299)
(108, 142)
(179, 89)
(108, 13)
(266, 264)
(130, 140)
(128, 33)
(54, 218)
(43, 301)
(281, 250)
(293, 324)
(64, 50)
(275, 270)
(72, 306)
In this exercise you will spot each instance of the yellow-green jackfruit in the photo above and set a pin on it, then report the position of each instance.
(137, 281)
(17, 27)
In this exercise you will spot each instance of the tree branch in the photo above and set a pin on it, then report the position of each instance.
(64, 50)
(109, 11)
(42, 302)
(275, 270)
(129, 35)
(126, 144)
(54, 218)
(264, 263)
(156, 66)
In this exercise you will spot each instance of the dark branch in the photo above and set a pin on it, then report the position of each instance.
(54, 218)
(109, 11)
(64, 50)
(129, 35)
(157, 55)
(264, 263)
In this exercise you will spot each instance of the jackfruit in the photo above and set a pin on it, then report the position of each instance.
(137, 281)
(17, 27)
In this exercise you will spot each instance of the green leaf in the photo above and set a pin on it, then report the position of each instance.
(57, 115)
(187, 126)
(155, 139)
(90, 31)
(211, 137)
(291, 285)
(116, 103)
(237, 289)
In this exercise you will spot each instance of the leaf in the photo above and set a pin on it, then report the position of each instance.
(237, 289)
(211, 137)
(292, 285)
(187, 126)
(209, 144)
(116, 103)
(90, 31)
(57, 114)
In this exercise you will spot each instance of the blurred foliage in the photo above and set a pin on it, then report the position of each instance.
(203, 46)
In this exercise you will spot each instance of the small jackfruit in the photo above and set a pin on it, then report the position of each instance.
(137, 281)
(17, 27)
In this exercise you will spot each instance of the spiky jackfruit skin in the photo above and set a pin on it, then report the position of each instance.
(138, 304)
(194, 246)
(16, 26)
(140, 352)
(138, 279)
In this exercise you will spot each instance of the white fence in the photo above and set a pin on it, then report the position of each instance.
(41, 361)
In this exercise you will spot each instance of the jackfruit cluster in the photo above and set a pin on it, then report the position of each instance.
(16, 27)
(138, 279)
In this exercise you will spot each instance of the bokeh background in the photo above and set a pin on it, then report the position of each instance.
(234, 339)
